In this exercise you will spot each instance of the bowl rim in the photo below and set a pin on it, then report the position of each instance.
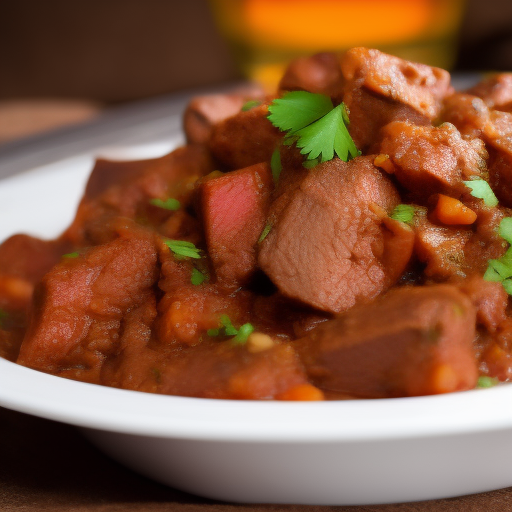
(139, 413)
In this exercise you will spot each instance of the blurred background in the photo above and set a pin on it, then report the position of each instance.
(63, 62)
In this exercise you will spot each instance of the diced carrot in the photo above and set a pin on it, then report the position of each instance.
(384, 162)
(452, 211)
(302, 392)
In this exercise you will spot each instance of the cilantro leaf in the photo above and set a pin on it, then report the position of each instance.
(264, 233)
(275, 165)
(485, 381)
(168, 204)
(183, 248)
(243, 333)
(314, 124)
(500, 270)
(482, 190)
(505, 229)
(197, 277)
(403, 213)
(298, 109)
(250, 104)
(228, 329)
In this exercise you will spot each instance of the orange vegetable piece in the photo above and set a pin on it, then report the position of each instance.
(302, 392)
(384, 162)
(452, 211)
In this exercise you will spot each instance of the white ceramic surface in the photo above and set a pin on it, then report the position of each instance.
(350, 452)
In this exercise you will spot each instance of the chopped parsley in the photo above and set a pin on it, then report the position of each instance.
(197, 277)
(228, 329)
(243, 333)
(403, 213)
(167, 204)
(275, 165)
(486, 382)
(505, 229)
(500, 270)
(264, 233)
(70, 255)
(183, 248)
(482, 190)
(250, 104)
(317, 127)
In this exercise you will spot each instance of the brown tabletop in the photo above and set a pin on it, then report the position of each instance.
(45, 465)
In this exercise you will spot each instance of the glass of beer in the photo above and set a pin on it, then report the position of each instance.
(266, 34)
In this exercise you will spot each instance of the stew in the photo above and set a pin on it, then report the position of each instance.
(347, 237)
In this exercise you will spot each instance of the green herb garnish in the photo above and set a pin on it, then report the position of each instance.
(264, 233)
(486, 382)
(167, 204)
(500, 270)
(228, 329)
(197, 277)
(250, 104)
(183, 248)
(70, 255)
(243, 333)
(275, 165)
(482, 190)
(403, 213)
(317, 127)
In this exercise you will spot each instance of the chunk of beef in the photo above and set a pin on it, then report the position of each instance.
(244, 139)
(209, 370)
(412, 341)
(499, 141)
(82, 306)
(456, 251)
(468, 113)
(203, 112)
(23, 262)
(234, 209)
(490, 301)
(125, 189)
(319, 73)
(380, 88)
(327, 245)
(496, 91)
(474, 119)
(431, 160)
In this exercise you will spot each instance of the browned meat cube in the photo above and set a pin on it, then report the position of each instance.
(468, 113)
(319, 73)
(441, 249)
(327, 245)
(499, 141)
(81, 306)
(212, 369)
(244, 139)
(431, 160)
(126, 188)
(203, 112)
(412, 341)
(234, 208)
(23, 262)
(380, 88)
(490, 300)
(496, 91)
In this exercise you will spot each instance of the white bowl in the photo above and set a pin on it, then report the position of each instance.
(332, 453)
(328, 453)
